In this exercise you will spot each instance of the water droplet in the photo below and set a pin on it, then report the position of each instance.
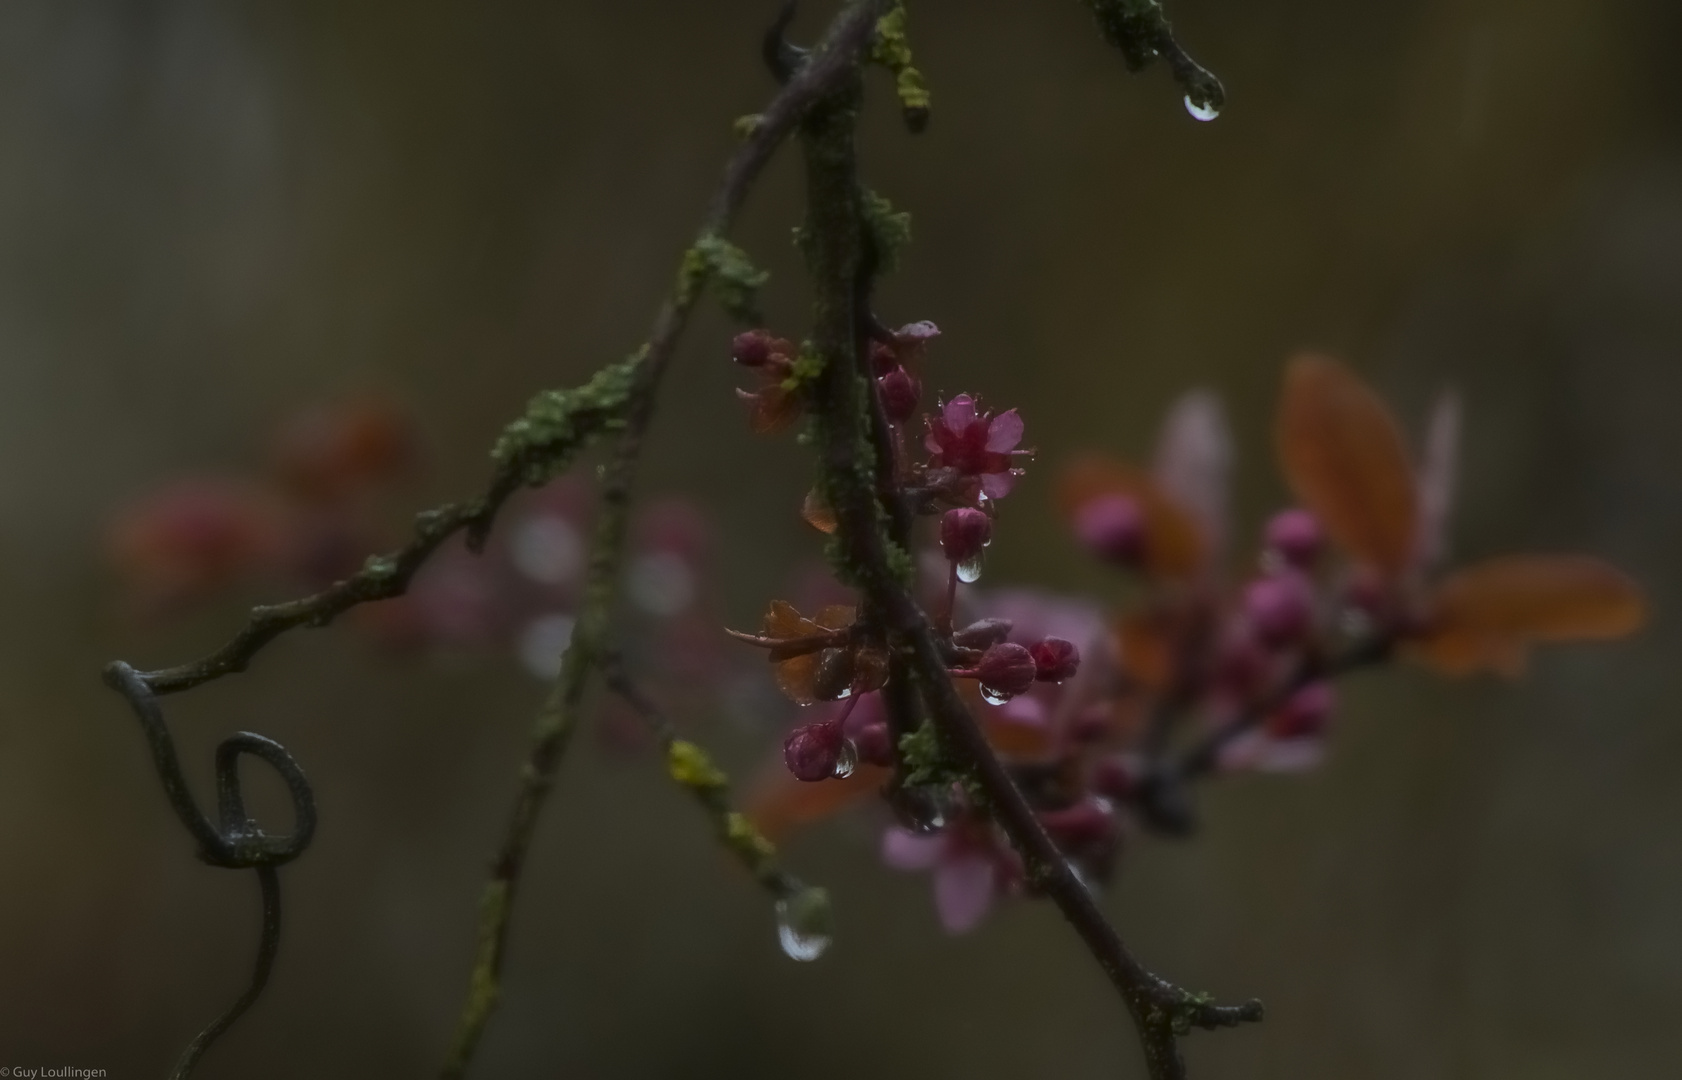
(1204, 112)
(847, 761)
(931, 820)
(920, 810)
(805, 924)
(992, 696)
(969, 570)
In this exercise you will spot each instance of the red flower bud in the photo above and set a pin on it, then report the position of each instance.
(1297, 537)
(1005, 671)
(814, 751)
(1305, 713)
(964, 533)
(1280, 609)
(901, 394)
(883, 358)
(1054, 659)
(1112, 527)
(751, 348)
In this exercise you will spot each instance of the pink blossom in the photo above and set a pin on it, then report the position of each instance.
(977, 444)
(970, 870)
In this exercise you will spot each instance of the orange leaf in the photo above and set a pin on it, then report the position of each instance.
(778, 803)
(783, 620)
(1145, 642)
(1344, 457)
(774, 409)
(1175, 546)
(1485, 615)
(1015, 739)
(818, 513)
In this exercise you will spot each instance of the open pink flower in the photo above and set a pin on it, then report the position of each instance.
(977, 444)
(970, 869)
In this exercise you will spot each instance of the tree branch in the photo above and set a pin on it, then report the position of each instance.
(835, 60)
(691, 767)
(870, 560)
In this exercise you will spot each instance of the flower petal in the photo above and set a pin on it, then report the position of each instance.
(959, 413)
(903, 849)
(1004, 432)
(1193, 461)
(963, 891)
(996, 485)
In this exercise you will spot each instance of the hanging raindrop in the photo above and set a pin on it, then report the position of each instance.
(992, 696)
(969, 571)
(847, 760)
(805, 924)
(1205, 112)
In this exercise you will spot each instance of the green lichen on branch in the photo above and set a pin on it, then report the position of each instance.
(927, 764)
(690, 766)
(805, 369)
(892, 50)
(558, 424)
(889, 230)
(714, 262)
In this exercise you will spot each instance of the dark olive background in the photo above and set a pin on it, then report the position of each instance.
(213, 213)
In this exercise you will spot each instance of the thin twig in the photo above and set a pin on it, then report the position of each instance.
(267, 943)
(691, 767)
(236, 842)
(834, 60)
(834, 248)
(1203, 757)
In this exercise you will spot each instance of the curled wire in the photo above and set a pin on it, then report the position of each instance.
(234, 841)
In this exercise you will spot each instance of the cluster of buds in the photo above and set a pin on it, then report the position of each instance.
(1105, 722)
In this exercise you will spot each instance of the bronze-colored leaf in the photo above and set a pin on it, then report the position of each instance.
(1482, 617)
(782, 620)
(818, 513)
(798, 678)
(1175, 544)
(1344, 458)
(774, 409)
(1145, 643)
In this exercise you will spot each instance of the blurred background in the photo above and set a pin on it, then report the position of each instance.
(214, 217)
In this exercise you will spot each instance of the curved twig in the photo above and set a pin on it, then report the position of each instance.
(238, 843)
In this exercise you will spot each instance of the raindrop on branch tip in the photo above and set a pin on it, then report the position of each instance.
(805, 924)
(1205, 112)
(969, 571)
(992, 696)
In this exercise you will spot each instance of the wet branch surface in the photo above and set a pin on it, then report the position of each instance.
(836, 59)
(879, 567)
(818, 99)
